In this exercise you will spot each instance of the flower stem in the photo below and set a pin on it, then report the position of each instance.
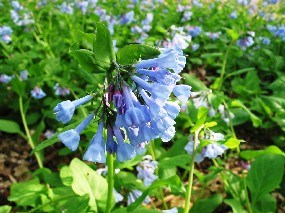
(110, 163)
(30, 140)
(246, 193)
(190, 178)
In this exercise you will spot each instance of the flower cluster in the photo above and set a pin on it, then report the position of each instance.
(5, 34)
(142, 110)
(146, 169)
(279, 32)
(211, 151)
(20, 15)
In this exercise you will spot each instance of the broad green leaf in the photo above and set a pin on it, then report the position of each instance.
(194, 82)
(201, 118)
(265, 204)
(27, 193)
(233, 34)
(235, 205)
(87, 60)
(132, 53)
(210, 124)
(87, 181)
(66, 176)
(86, 39)
(5, 209)
(265, 175)
(211, 55)
(238, 72)
(250, 154)
(103, 47)
(207, 205)
(64, 199)
(129, 163)
(10, 127)
(233, 143)
(128, 180)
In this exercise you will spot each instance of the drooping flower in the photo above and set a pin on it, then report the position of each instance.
(71, 138)
(38, 93)
(146, 169)
(65, 110)
(5, 34)
(61, 90)
(24, 75)
(134, 195)
(5, 78)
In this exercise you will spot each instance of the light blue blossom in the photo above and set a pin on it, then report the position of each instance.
(65, 110)
(5, 34)
(245, 42)
(146, 170)
(194, 31)
(182, 92)
(38, 93)
(134, 195)
(96, 150)
(233, 15)
(61, 90)
(127, 18)
(66, 8)
(5, 78)
(24, 75)
(213, 35)
(71, 138)
(173, 210)
(118, 196)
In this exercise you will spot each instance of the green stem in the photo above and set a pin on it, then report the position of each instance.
(159, 188)
(190, 178)
(246, 194)
(110, 163)
(224, 66)
(30, 140)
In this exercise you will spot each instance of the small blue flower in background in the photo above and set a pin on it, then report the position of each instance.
(195, 47)
(24, 75)
(134, 195)
(233, 15)
(211, 151)
(272, 1)
(38, 93)
(5, 78)
(61, 90)
(213, 35)
(66, 8)
(118, 196)
(243, 2)
(127, 18)
(278, 32)
(20, 15)
(146, 170)
(49, 133)
(173, 210)
(194, 31)
(16, 6)
(245, 42)
(5, 34)
(265, 40)
(83, 6)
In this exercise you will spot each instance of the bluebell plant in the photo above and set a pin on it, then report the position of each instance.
(135, 108)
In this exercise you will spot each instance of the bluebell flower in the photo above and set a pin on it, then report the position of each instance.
(168, 134)
(134, 195)
(5, 34)
(48, 133)
(233, 14)
(186, 16)
(111, 145)
(71, 138)
(83, 5)
(173, 210)
(127, 18)
(146, 169)
(265, 41)
(5, 78)
(66, 8)
(272, 1)
(38, 93)
(172, 109)
(125, 151)
(118, 196)
(214, 150)
(182, 92)
(195, 46)
(213, 35)
(24, 75)
(243, 2)
(65, 110)
(96, 149)
(16, 5)
(194, 31)
(245, 42)
(61, 90)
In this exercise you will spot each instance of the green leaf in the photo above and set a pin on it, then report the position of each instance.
(10, 127)
(137, 210)
(207, 205)
(238, 72)
(66, 176)
(180, 160)
(250, 154)
(18, 86)
(132, 53)
(27, 193)
(235, 205)
(202, 116)
(195, 83)
(87, 181)
(210, 124)
(211, 55)
(103, 47)
(266, 203)
(65, 199)
(233, 143)
(265, 175)
(5, 209)
(233, 34)
(87, 60)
